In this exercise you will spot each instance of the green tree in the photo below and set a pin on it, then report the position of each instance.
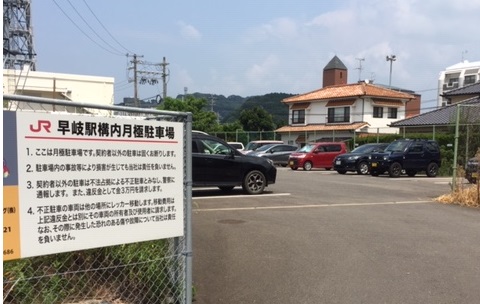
(203, 120)
(256, 119)
(273, 104)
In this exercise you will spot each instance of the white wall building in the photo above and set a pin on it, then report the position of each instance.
(457, 76)
(75, 88)
(338, 112)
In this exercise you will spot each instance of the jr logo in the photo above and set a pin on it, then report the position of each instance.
(41, 124)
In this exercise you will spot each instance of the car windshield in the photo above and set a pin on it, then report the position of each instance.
(364, 149)
(264, 148)
(397, 146)
(306, 148)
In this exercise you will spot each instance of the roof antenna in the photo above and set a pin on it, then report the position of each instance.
(360, 68)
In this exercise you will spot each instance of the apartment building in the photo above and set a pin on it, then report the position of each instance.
(457, 76)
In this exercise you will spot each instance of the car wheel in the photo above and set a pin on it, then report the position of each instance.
(328, 169)
(254, 182)
(294, 168)
(411, 173)
(226, 188)
(395, 170)
(307, 166)
(374, 173)
(432, 169)
(362, 168)
(342, 171)
(283, 165)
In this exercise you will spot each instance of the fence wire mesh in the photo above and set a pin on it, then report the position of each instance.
(157, 271)
(147, 272)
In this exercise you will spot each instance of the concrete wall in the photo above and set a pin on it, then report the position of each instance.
(76, 88)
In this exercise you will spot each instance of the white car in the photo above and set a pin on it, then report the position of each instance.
(237, 145)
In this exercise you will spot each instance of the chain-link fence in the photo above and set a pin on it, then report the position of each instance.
(457, 132)
(152, 271)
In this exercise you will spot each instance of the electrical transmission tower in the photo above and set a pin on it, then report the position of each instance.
(147, 73)
(17, 35)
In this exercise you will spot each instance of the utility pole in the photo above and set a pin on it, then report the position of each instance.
(185, 91)
(164, 77)
(391, 58)
(135, 79)
(212, 102)
(148, 73)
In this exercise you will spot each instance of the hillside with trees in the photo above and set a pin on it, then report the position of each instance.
(229, 108)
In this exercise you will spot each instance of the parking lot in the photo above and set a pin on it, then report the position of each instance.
(322, 237)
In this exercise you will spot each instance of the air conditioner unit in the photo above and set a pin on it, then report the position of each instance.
(452, 84)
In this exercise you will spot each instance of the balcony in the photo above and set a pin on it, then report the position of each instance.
(450, 86)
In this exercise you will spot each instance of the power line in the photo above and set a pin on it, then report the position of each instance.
(106, 28)
(93, 30)
(78, 27)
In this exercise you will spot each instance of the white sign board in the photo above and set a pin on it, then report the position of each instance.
(87, 182)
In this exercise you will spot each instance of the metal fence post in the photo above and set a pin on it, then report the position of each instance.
(188, 212)
(455, 148)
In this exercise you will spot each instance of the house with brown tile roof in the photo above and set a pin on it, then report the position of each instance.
(342, 111)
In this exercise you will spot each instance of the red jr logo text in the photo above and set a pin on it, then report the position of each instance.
(41, 124)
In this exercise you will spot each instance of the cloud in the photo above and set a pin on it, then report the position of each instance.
(334, 19)
(260, 73)
(189, 31)
(280, 29)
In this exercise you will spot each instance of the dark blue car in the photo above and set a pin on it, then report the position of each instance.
(407, 155)
(357, 159)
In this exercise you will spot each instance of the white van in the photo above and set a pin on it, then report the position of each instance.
(255, 144)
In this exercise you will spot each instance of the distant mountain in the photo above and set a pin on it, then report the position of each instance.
(229, 108)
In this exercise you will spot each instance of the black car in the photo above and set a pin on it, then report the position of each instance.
(217, 164)
(472, 170)
(409, 156)
(278, 153)
(357, 159)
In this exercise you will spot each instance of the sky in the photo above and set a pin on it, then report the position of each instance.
(253, 47)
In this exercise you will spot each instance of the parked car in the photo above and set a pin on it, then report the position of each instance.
(357, 159)
(237, 145)
(255, 144)
(278, 153)
(408, 155)
(217, 164)
(472, 170)
(316, 155)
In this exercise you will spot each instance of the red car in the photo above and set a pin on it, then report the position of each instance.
(316, 155)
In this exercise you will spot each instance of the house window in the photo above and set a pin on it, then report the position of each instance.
(470, 79)
(452, 82)
(338, 115)
(378, 112)
(392, 112)
(298, 116)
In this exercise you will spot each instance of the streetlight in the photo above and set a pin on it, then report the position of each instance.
(391, 58)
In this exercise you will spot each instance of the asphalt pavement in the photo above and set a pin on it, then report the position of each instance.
(322, 237)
